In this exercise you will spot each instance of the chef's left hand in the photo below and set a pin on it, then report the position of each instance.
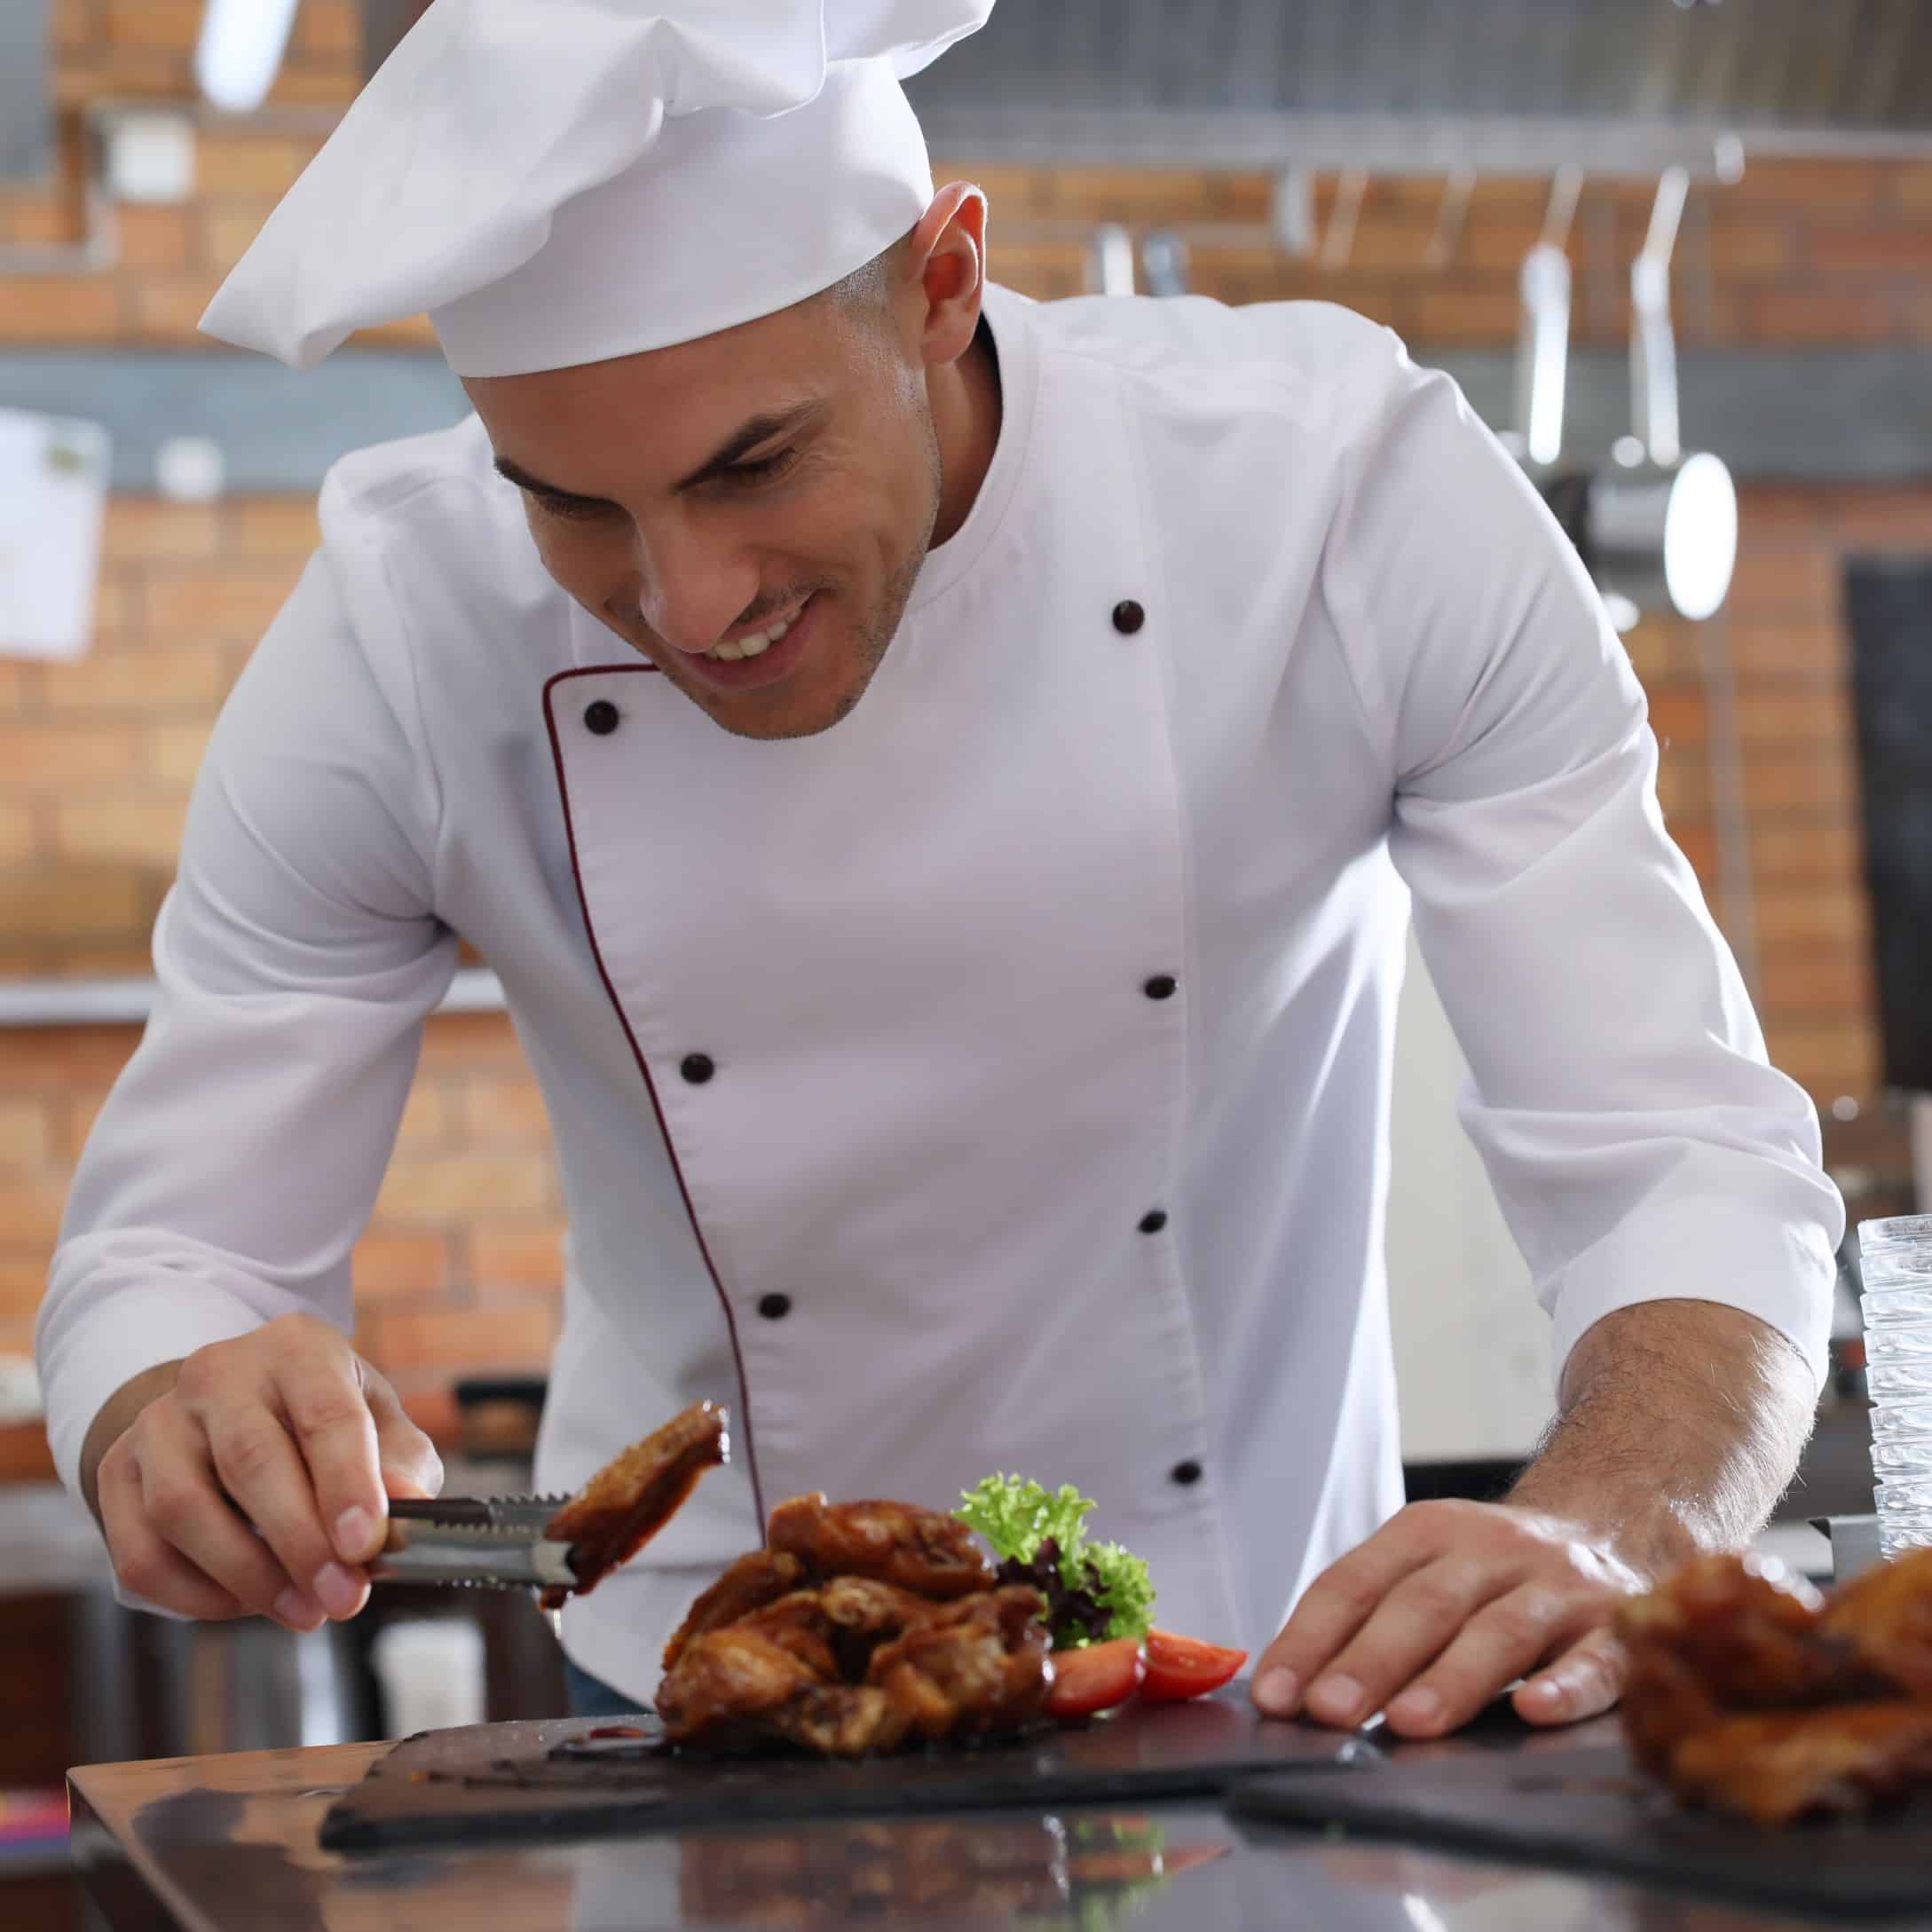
(1443, 1606)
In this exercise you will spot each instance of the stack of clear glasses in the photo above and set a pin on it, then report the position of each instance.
(1894, 1267)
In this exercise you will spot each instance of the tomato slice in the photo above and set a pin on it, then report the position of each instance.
(1184, 1666)
(1095, 1678)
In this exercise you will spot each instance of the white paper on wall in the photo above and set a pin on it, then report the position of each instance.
(54, 492)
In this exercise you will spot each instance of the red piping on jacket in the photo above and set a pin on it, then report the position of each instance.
(650, 1086)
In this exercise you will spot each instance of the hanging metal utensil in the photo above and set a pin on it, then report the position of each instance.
(1660, 533)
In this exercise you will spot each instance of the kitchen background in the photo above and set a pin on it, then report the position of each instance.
(1426, 152)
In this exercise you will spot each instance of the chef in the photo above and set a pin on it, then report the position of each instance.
(944, 782)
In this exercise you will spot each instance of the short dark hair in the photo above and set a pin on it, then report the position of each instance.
(870, 285)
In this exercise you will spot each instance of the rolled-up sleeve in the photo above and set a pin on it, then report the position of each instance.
(1639, 1143)
(238, 1156)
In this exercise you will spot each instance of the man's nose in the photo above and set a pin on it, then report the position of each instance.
(693, 586)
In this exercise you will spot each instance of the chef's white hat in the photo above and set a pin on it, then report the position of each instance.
(561, 181)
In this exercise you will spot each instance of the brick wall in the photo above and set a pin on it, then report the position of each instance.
(1798, 251)
(459, 1267)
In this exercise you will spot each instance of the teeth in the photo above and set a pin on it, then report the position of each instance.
(756, 645)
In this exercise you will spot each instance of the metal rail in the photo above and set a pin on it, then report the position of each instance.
(128, 1001)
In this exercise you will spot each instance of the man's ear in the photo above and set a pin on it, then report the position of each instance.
(946, 262)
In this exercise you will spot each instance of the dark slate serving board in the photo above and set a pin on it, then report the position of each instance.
(1589, 1810)
(550, 1778)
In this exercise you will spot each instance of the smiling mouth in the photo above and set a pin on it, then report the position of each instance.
(754, 643)
(760, 658)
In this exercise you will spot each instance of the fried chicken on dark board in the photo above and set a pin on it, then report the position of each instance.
(959, 1669)
(860, 1626)
(1750, 1694)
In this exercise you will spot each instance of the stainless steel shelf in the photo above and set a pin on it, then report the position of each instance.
(128, 1002)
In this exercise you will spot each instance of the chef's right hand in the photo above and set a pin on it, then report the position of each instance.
(286, 1429)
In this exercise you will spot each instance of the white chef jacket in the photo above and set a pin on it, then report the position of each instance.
(1089, 914)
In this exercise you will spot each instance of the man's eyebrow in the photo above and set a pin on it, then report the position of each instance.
(746, 437)
(512, 471)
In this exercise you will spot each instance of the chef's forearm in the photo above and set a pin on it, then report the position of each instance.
(1680, 1425)
(117, 1414)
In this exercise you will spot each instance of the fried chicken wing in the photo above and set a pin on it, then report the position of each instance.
(895, 1542)
(739, 1687)
(1723, 1635)
(851, 1605)
(1748, 1693)
(1884, 1616)
(736, 1687)
(1664, 1702)
(860, 1614)
(843, 1623)
(749, 1584)
(1776, 1766)
(629, 1500)
(980, 1665)
(841, 1720)
(860, 1666)
(855, 1602)
(865, 1606)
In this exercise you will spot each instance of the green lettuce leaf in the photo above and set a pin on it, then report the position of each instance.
(1124, 1587)
(1016, 1516)
(1092, 1591)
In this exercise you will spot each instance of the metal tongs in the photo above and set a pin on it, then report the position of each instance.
(491, 1542)
(503, 1542)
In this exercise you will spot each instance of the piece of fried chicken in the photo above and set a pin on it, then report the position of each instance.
(1748, 1693)
(1885, 1617)
(935, 1670)
(631, 1498)
(979, 1665)
(897, 1542)
(757, 1579)
(1776, 1766)
(1721, 1636)
(840, 1626)
(737, 1688)
(811, 1540)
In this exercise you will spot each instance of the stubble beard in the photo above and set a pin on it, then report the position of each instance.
(876, 631)
(876, 634)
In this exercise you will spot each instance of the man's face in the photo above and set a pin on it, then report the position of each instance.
(702, 498)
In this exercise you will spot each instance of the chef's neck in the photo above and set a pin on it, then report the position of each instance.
(965, 418)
